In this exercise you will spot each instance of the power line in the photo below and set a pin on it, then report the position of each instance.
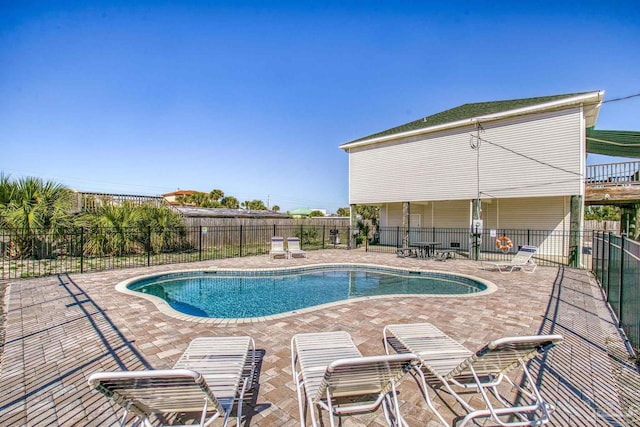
(522, 187)
(622, 98)
(526, 156)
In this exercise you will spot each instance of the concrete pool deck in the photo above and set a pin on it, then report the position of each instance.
(60, 329)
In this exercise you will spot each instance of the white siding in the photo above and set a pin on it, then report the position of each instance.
(540, 213)
(542, 158)
(452, 214)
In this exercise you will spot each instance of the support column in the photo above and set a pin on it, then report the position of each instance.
(406, 211)
(575, 231)
(353, 225)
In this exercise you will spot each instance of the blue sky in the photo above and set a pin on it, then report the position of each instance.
(254, 98)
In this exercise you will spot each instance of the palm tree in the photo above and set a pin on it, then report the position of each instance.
(6, 195)
(230, 202)
(36, 211)
(216, 195)
(114, 230)
(167, 229)
(275, 208)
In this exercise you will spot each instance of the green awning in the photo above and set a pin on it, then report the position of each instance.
(617, 143)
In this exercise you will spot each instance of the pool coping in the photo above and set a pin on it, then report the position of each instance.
(165, 308)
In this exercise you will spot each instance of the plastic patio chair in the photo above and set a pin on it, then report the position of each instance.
(445, 362)
(277, 247)
(209, 377)
(521, 260)
(331, 373)
(293, 247)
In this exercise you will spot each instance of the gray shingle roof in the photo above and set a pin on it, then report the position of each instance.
(468, 111)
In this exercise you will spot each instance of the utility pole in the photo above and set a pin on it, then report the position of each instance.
(477, 209)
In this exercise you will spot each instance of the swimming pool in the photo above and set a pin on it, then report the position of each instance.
(232, 294)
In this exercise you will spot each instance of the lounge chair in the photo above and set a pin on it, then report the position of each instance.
(447, 363)
(277, 248)
(333, 375)
(521, 260)
(293, 247)
(209, 377)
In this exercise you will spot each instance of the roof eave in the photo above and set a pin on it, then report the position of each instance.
(595, 98)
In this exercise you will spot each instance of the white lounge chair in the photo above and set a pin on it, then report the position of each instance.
(209, 377)
(277, 247)
(521, 260)
(293, 247)
(447, 363)
(333, 375)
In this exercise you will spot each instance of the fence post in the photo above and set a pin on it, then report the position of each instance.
(241, 238)
(594, 260)
(623, 237)
(81, 250)
(200, 243)
(609, 267)
(324, 226)
(148, 245)
(274, 230)
(602, 258)
(397, 237)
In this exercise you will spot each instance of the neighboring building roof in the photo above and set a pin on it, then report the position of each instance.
(180, 193)
(471, 111)
(192, 212)
(617, 143)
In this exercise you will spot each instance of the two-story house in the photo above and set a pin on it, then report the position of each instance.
(523, 160)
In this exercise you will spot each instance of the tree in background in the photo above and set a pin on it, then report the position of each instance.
(343, 212)
(370, 213)
(254, 205)
(37, 212)
(130, 229)
(217, 199)
(275, 208)
(602, 213)
(315, 213)
(230, 202)
(113, 230)
(216, 195)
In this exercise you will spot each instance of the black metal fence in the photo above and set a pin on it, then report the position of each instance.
(82, 250)
(616, 265)
(554, 247)
(94, 249)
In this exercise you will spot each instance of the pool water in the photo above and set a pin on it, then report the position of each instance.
(256, 294)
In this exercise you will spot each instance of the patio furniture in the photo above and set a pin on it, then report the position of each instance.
(277, 248)
(443, 254)
(293, 248)
(406, 252)
(333, 375)
(445, 362)
(425, 249)
(208, 378)
(521, 260)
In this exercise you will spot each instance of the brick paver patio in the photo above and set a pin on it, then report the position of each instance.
(62, 328)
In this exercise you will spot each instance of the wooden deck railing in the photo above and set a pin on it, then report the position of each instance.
(613, 174)
(90, 202)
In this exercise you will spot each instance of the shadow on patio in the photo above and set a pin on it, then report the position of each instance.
(73, 336)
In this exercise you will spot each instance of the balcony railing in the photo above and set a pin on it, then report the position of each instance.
(613, 174)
